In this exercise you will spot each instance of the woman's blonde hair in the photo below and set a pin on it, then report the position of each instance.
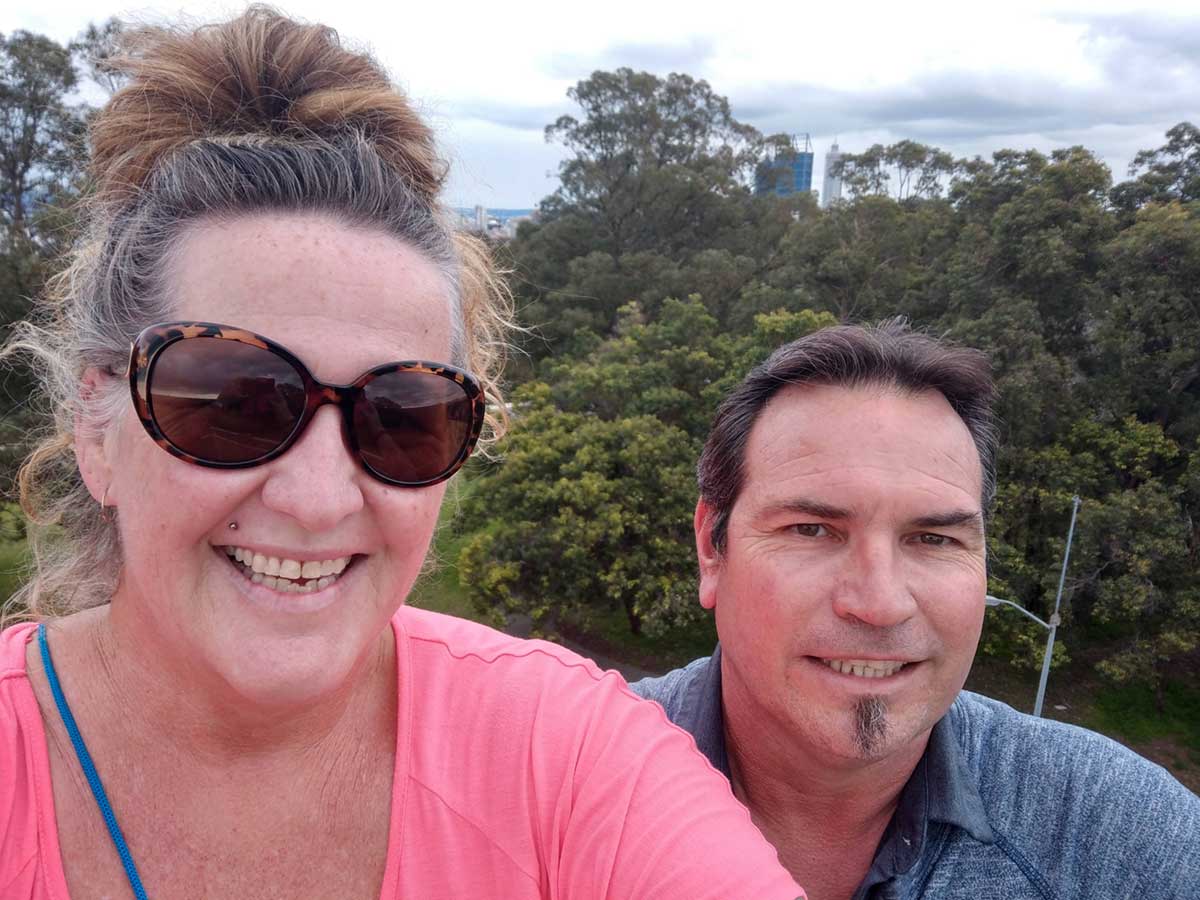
(259, 113)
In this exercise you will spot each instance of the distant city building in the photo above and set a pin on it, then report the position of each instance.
(511, 225)
(788, 171)
(497, 224)
(832, 188)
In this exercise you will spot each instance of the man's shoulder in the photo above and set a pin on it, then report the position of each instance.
(670, 690)
(1000, 744)
(1100, 804)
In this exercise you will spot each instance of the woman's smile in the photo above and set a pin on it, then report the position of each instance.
(287, 575)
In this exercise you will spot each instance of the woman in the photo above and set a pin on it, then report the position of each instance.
(226, 697)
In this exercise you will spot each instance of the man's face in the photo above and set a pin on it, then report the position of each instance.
(850, 593)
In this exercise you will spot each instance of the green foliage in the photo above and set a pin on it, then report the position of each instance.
(12, 524)
(41, 175)
(13, 552)
(585, 512)
(1022, 642)
(38, 129)
(1084, 296)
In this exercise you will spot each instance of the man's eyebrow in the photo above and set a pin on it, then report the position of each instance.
(951, 519)
(804, 506)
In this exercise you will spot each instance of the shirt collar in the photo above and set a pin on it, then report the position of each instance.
(703, 712)
(941, 789)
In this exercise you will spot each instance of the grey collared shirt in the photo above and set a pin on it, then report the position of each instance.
(1002, 805)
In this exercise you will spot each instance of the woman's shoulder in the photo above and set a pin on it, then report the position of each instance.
(13, 641)
(23, 760)
(524, 689)
(463, 641)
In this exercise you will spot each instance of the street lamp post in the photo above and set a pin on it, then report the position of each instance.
(1055, 620)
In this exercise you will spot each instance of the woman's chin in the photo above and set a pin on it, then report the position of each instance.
(292, 674)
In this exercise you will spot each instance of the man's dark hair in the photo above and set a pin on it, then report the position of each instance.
(888, 355)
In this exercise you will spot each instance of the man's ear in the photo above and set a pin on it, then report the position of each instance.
(91, 448)
(707, 554)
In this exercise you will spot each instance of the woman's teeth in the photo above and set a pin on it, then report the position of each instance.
(866, 668)
(288, 575)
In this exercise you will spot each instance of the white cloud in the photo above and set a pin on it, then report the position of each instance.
(969, 77)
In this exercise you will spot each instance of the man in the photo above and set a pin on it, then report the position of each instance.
(840, 535)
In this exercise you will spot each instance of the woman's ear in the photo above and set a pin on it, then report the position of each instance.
(91, 447)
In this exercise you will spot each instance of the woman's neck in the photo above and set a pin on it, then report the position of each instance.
(110, 663)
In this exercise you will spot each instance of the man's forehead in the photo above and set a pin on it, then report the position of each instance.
(837, 437)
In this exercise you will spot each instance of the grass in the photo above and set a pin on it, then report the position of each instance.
(438, 589)
(1129, 710)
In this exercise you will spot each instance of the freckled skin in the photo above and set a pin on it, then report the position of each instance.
(791, 586)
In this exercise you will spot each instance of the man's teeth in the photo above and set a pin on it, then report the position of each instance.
(288, 575)
(866, 668)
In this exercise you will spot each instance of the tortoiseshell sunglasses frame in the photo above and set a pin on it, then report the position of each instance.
(153, 340)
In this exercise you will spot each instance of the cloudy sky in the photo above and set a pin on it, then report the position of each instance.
(968, 77)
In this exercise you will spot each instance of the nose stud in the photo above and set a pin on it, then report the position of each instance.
(233, 526)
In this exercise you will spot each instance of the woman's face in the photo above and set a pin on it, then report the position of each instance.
(343, 300)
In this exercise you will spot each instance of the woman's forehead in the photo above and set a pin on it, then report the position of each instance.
(313, 279)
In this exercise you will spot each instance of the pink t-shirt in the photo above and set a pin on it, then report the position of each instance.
(522, 771)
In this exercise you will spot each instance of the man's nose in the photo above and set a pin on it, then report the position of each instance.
(873, 588)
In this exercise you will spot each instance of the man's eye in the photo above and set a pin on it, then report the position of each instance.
(935, 540)
(807, 530)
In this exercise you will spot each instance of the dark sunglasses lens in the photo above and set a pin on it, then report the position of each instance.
(412, 426)
(223, 401)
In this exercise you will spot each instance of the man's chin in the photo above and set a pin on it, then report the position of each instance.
(871, 725)
(867, 730)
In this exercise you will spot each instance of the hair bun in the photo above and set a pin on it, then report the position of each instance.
(259, 76)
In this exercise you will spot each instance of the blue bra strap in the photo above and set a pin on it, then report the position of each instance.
(85, 762)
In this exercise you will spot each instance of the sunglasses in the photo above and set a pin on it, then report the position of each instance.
(231, 399)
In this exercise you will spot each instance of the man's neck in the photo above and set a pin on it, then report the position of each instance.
(825, 816)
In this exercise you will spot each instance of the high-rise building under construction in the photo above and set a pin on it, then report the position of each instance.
(788, 170)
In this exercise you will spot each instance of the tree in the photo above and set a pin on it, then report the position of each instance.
(920, 170)
(1170, 172)
(586, 514)
(654, 201)
(648, 156)
(41, 175)
(39, 132)
(93, 50)
(1088, 310)
(1146, 357)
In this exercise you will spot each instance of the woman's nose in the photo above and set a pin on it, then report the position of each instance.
(317, 482)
